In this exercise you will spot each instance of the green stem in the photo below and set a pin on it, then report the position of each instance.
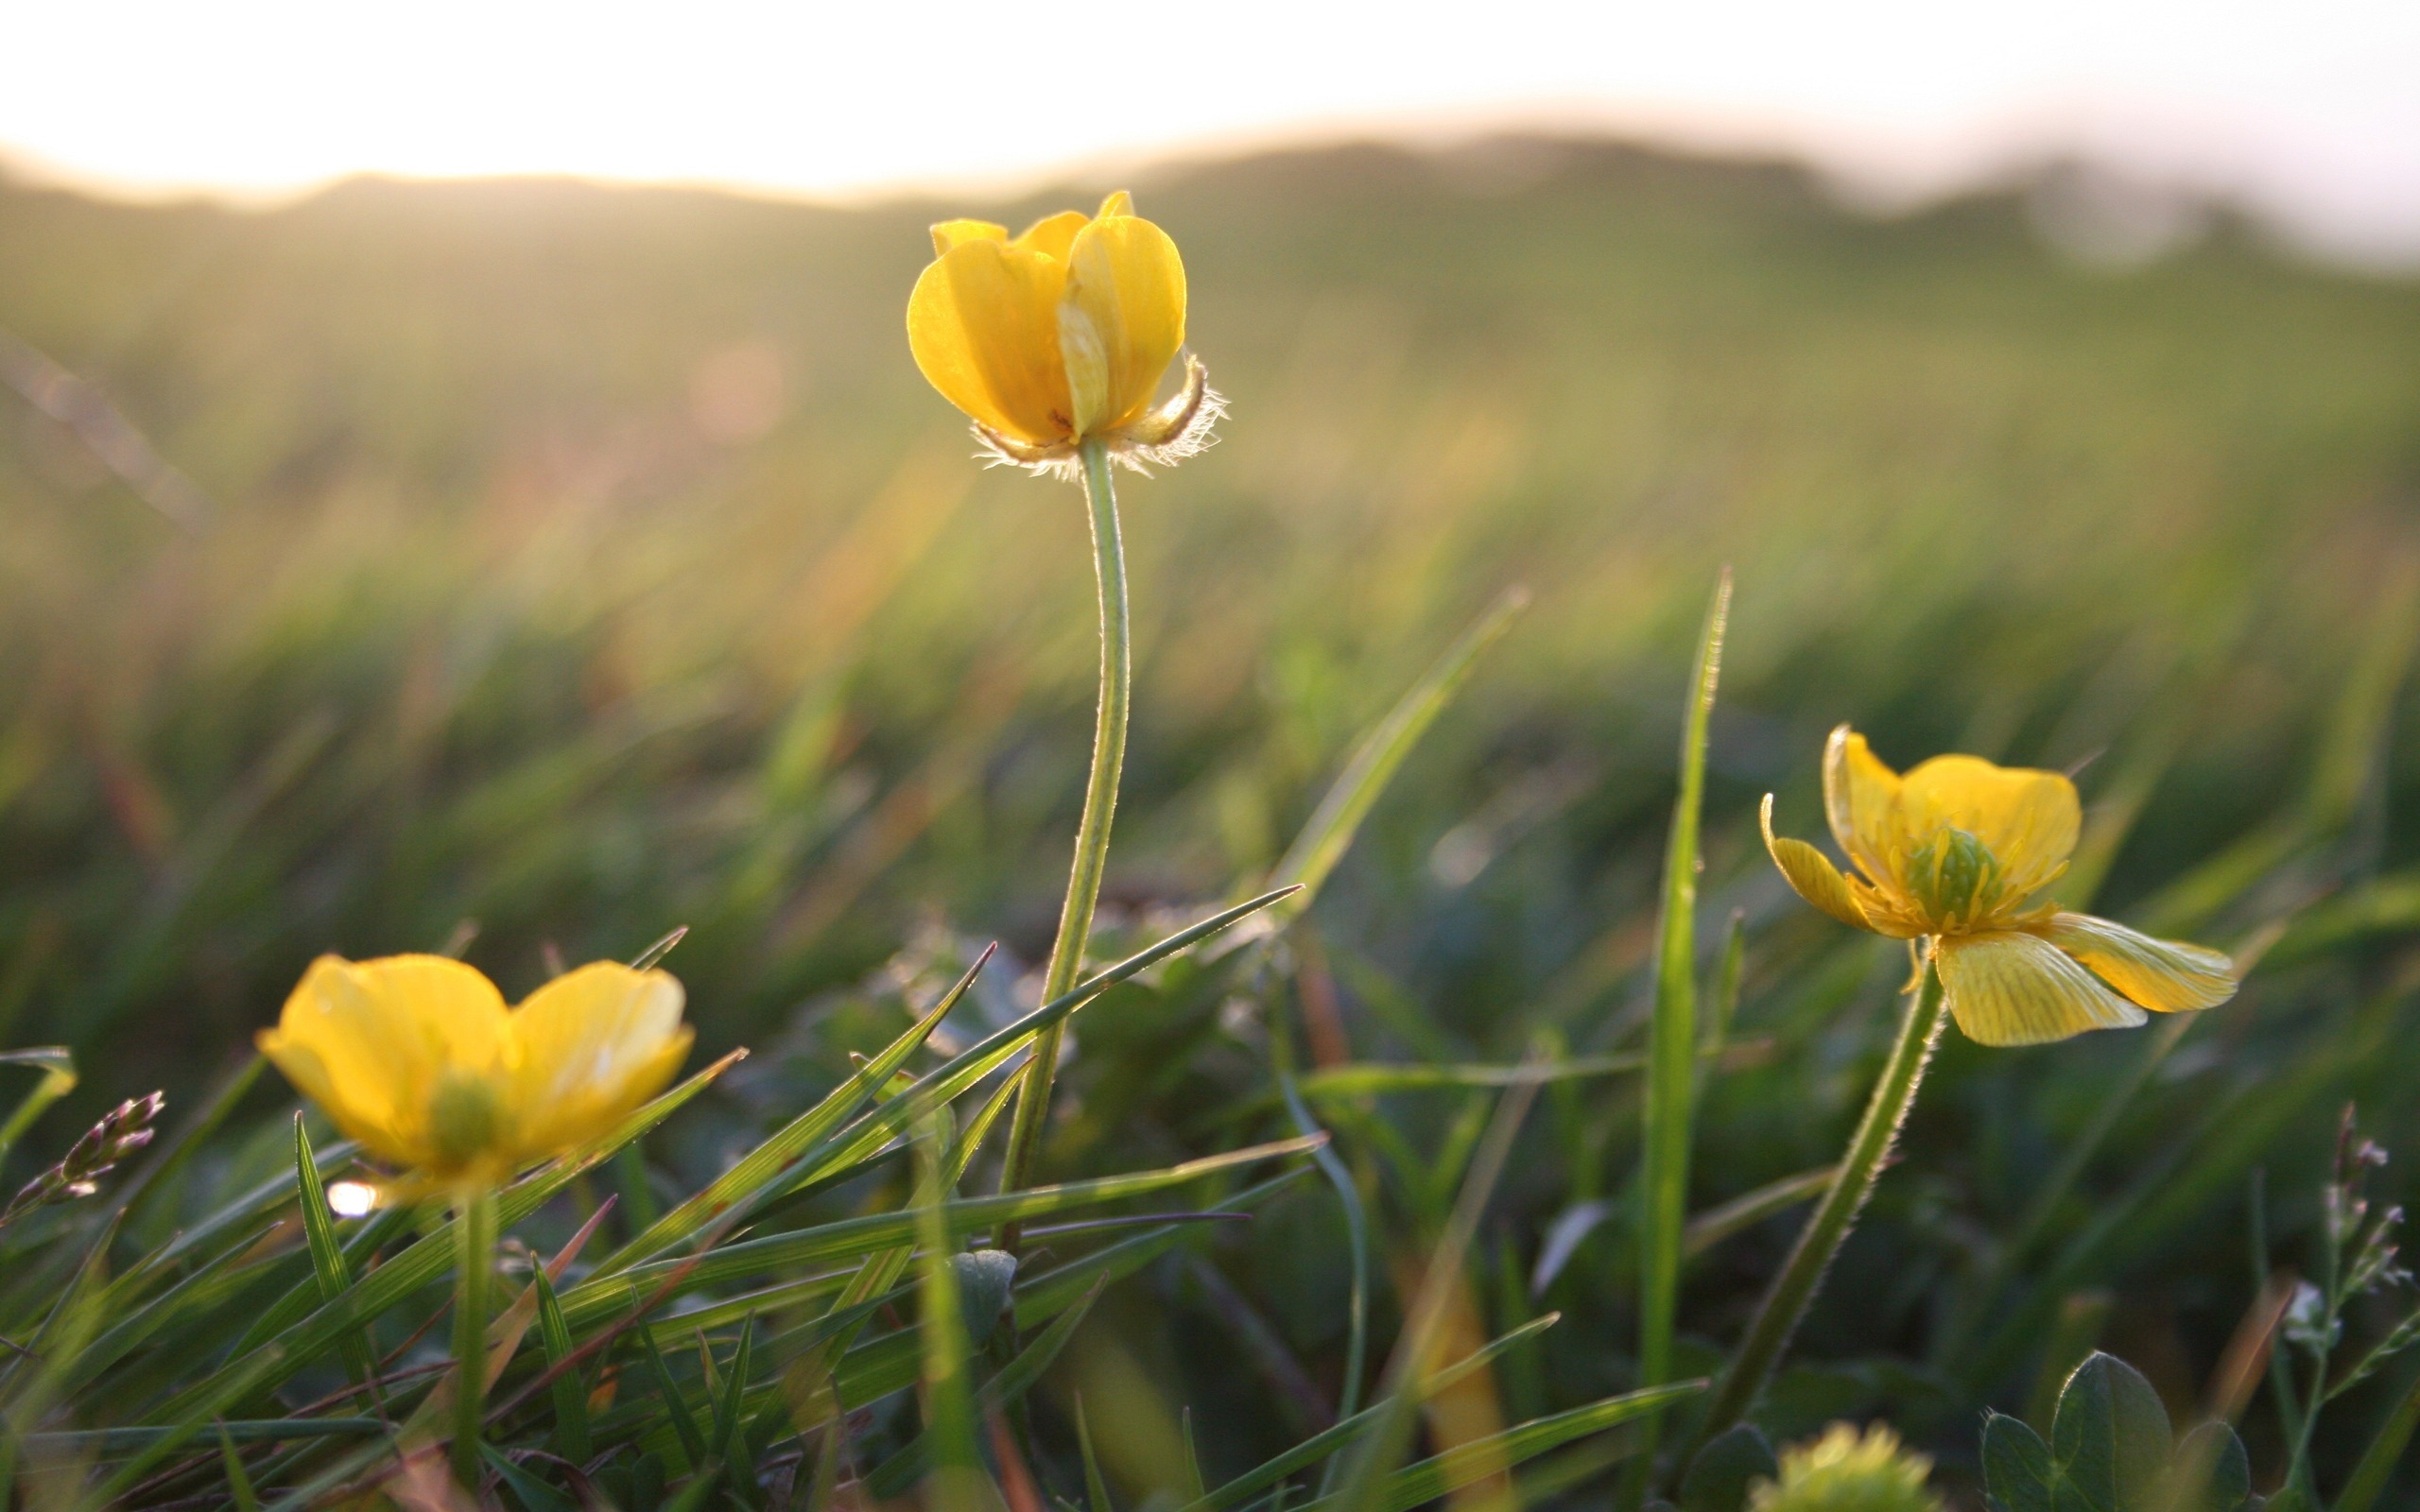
(1091, 831)
(1779, 1315)
(474, 1259)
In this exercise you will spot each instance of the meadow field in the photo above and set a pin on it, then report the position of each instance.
(526, 570)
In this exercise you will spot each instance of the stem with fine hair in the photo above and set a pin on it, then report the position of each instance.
(1091, 831)
(1785, 1303)
(474, 1259)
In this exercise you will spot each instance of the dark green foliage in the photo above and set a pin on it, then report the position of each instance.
(1731, 1462)
(2111, 1451)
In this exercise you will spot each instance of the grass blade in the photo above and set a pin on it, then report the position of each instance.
(1319, 1446)
(571, 1396)
(58, 1067)
(1469, 1463)
(327, 1257)
(1668, 1110)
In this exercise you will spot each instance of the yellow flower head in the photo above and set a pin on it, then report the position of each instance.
(1954, 852)
(418, 1058)
(1848, 1472)
(1062, 335)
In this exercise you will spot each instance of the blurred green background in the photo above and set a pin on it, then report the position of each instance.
(568, 563)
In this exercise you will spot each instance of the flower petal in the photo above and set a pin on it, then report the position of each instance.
(948, 233)
(1118, 202)
(2162, 975)
(983, 323)
(1810, 873)
(368, 1041)
(594, 1044)
(1053, 234)
(1122, 319)
(2027, 819)
(2012, 989)
(1858, 792)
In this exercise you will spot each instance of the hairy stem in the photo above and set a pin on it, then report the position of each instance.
(1091, 831)
(474, 1261)
(1785, 1303)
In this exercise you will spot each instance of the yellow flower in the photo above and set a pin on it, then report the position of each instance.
(1062, 335)
(1848, 1472)
(418, 1058)
(1954, 852)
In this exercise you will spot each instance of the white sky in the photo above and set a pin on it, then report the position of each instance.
(2308, 108)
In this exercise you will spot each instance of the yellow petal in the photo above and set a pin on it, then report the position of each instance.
(1118, 203)
(950, 232)
(1810, 873)
(1052, 235)
(368, 1042)
(2160, 975)
(983, 323)
(594, 1044)
(1858, 792)
(1121, 321)
(2027, 819)
(2012, 989)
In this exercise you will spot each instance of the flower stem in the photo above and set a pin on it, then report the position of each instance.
(474, 1261)
(1091, 831)
(1785, 1303)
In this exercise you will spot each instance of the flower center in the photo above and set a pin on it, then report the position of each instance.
(1956, 879)
(465, 1118)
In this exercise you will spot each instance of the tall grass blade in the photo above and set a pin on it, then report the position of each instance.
(328, 1265)
(571, 1396)
(1321, 1445)
(1468, 1464)
(1672, 1050)
(953, 1468)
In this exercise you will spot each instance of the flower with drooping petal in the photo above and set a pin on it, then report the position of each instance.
(418, 1058)
(1954, 852)
(1061, 336)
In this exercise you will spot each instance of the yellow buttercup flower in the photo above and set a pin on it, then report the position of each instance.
(1953, 852)
(418, 1058)
(1061, 336)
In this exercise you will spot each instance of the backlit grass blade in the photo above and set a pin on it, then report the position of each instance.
(953, 1462)
(1321, 1445)
(571, 1396)
(328, 1265)
(1716, 1224)
(1470, 1463)
(1332, 826)
(1672, 1049)
(763, 1167)
(56, 1064)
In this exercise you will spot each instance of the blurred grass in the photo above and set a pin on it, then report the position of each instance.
(583, 562)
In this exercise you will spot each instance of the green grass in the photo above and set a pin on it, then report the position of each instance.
(513, 625)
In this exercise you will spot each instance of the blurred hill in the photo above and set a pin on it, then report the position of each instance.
(583, 561)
